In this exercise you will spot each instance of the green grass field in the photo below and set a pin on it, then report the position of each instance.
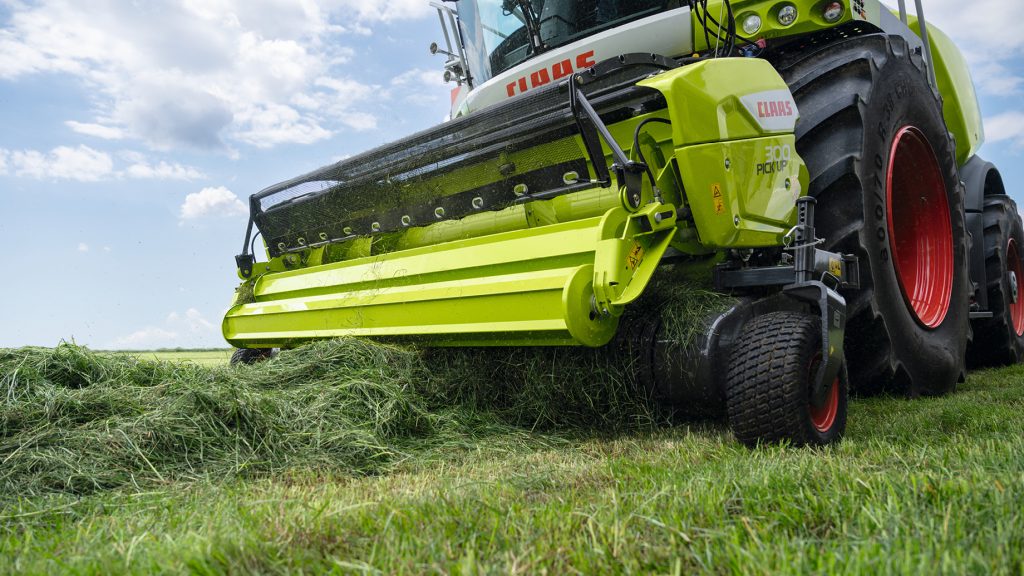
(929, 486)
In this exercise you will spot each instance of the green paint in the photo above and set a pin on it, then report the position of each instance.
(960, 106)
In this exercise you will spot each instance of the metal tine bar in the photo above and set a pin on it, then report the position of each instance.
(903, 12)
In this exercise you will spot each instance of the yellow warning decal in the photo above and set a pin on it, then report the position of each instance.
(835, 267)
(716, 197)
(636, 256)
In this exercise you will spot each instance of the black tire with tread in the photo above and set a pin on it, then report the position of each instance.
(768, 385)
(250, 355)
(853, 96)
(996, 343)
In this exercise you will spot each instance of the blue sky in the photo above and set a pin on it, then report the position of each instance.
(131, 133)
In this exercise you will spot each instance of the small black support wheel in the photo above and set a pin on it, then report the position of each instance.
(768, 387)
(250, 355)
(999, 340)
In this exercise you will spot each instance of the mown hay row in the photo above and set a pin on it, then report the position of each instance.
(76, 421)
(73, 420)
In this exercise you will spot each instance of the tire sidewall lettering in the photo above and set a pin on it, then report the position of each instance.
(905, 100)
(896, 94)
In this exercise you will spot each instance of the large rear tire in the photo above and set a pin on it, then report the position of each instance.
(999, 340)
(768, 388)
(883, 169)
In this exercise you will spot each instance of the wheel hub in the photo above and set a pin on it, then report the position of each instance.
(920, 233)
(823, 415)
(1012, 279)
(1014, 274)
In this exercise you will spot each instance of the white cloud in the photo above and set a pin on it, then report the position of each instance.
(192, 321)
(162, 171)
(86, 164)
(166, 112)
(278, 124)
(146, 338)
(331, 98)
(418, 77)
(990, 43)
(385, 10)
(978, 27)
(359, 121)
(190, 329)
(346, 87)
(995, 79)
(419, 86)
(217, 201)
(62, 163)
(83, 247)
(1005, 127)
(199, 73)
(97, 130)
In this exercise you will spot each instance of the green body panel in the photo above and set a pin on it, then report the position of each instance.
(522, 287)
(741, 179)
(960, 106)
(511, 283)
(557, 271)
(704, 99)
(750, 205)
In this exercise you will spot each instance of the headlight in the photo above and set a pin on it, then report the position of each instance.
(787, 15)
(833, 12)
(751, 24)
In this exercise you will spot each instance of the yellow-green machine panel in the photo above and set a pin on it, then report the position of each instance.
(558, 271)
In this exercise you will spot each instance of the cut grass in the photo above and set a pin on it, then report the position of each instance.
(356, 457)
(918, 487)
(211, 358)
(75, 421)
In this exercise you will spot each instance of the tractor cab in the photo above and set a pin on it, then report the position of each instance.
(500, 49)
(500, 34)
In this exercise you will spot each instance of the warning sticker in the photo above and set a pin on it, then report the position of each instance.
(636, 256)
(717, 198)
(835, 267)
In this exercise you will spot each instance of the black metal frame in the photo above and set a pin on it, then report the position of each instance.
(811, 279)
(628, 173)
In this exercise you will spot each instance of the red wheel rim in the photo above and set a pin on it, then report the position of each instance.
(920, 234)
(1014, 266)
(824, 416)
